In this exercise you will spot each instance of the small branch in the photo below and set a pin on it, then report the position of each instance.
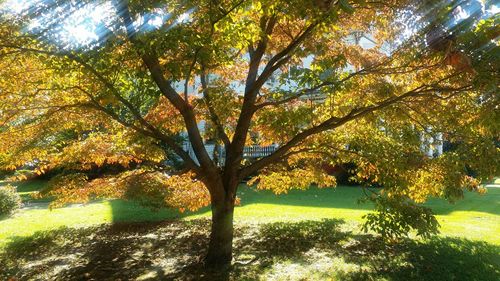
(188, 75)
(304, 92)
(213, 115)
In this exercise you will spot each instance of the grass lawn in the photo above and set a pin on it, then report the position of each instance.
(288, 234)
(476, 217)
(26, 188)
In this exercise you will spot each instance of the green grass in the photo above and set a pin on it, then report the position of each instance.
(476, 217)
(302, 235)
(27, 188)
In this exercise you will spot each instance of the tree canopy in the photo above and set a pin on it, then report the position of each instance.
(87, 84)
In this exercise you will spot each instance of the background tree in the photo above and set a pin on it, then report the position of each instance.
(92, 83)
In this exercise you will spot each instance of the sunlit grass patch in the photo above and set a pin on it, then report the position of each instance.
(475, 217)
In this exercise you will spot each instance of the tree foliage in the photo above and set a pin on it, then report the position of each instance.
(92, 83)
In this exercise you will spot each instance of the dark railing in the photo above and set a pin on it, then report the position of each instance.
(249, 152)
(257, 151)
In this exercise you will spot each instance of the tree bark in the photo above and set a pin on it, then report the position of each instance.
(220, 249)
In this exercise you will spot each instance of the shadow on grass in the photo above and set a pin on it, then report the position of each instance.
(130, 211)
(307, 250)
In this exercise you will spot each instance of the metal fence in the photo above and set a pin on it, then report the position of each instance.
(249, 152)
(257, 151)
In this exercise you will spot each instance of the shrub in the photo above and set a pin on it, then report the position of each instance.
(396, 217)
(9, 200)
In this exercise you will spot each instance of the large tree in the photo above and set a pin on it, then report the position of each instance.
(87, 84)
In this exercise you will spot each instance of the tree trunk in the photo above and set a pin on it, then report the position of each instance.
(220, 249)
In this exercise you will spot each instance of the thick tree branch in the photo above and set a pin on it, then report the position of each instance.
(153, 65)
(254, 83)
(156, 134)
(235, 150)
(282, 57)
(335, 122)
(152, 130)
(374, 69)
